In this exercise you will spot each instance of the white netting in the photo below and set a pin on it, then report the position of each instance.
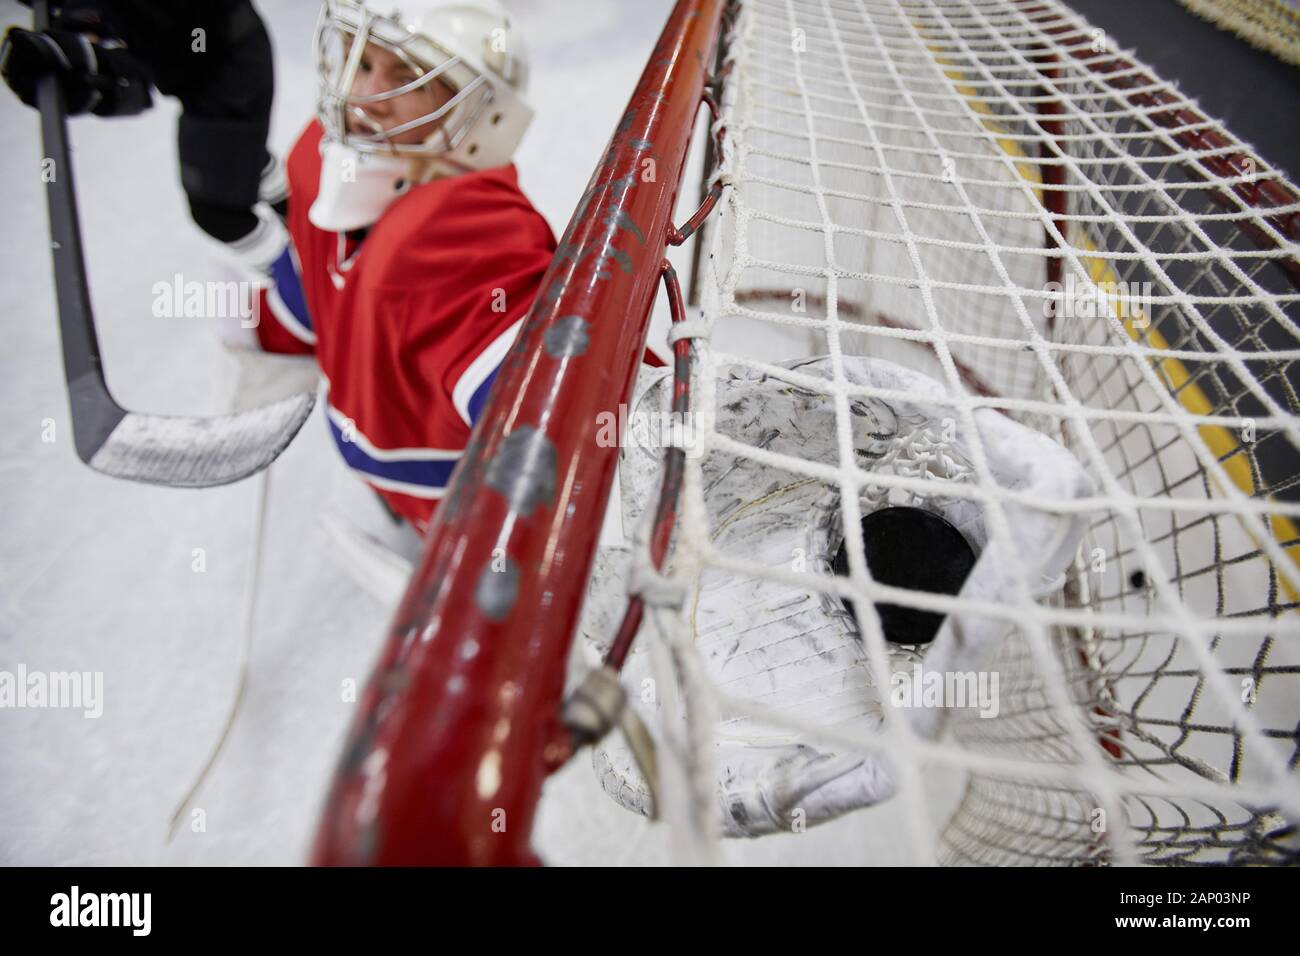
(894, 169)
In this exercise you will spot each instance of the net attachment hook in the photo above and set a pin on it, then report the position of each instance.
(676, 235)
(599, 703)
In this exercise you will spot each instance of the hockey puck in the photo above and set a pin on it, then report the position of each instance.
(914, 549)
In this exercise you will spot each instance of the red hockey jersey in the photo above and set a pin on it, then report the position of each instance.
(410, 325)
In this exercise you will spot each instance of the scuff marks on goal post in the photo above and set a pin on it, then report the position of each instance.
(461, 722)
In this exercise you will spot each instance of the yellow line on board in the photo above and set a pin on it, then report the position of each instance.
(1221, 442)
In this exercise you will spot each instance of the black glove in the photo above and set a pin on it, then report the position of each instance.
(98, 77)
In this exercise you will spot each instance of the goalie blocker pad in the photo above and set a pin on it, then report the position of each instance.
(796, 652)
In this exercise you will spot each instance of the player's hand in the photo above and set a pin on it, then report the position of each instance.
(28, 56)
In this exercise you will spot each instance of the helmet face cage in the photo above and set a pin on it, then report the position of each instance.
(343, 31)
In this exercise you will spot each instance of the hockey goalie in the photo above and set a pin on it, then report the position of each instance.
(411, 254)
(410, 261)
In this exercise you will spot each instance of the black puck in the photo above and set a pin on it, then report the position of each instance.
(914, 549)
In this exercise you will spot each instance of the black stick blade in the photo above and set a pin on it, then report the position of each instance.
(182, 452)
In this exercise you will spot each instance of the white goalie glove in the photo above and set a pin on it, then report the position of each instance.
(795, 653)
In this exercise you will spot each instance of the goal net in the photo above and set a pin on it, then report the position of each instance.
(984, 193)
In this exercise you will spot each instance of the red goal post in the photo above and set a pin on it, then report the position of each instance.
(460, 723)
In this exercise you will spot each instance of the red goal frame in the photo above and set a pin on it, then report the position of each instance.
(459, 725)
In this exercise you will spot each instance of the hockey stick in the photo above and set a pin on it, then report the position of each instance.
(180, 451)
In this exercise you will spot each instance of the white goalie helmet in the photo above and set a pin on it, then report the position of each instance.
(469, 46)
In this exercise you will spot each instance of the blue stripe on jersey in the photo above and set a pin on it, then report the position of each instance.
(480, 396)
(470, 392)
(422, 472)
(289, 287)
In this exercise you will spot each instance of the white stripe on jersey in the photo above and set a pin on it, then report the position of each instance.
(483, 365)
